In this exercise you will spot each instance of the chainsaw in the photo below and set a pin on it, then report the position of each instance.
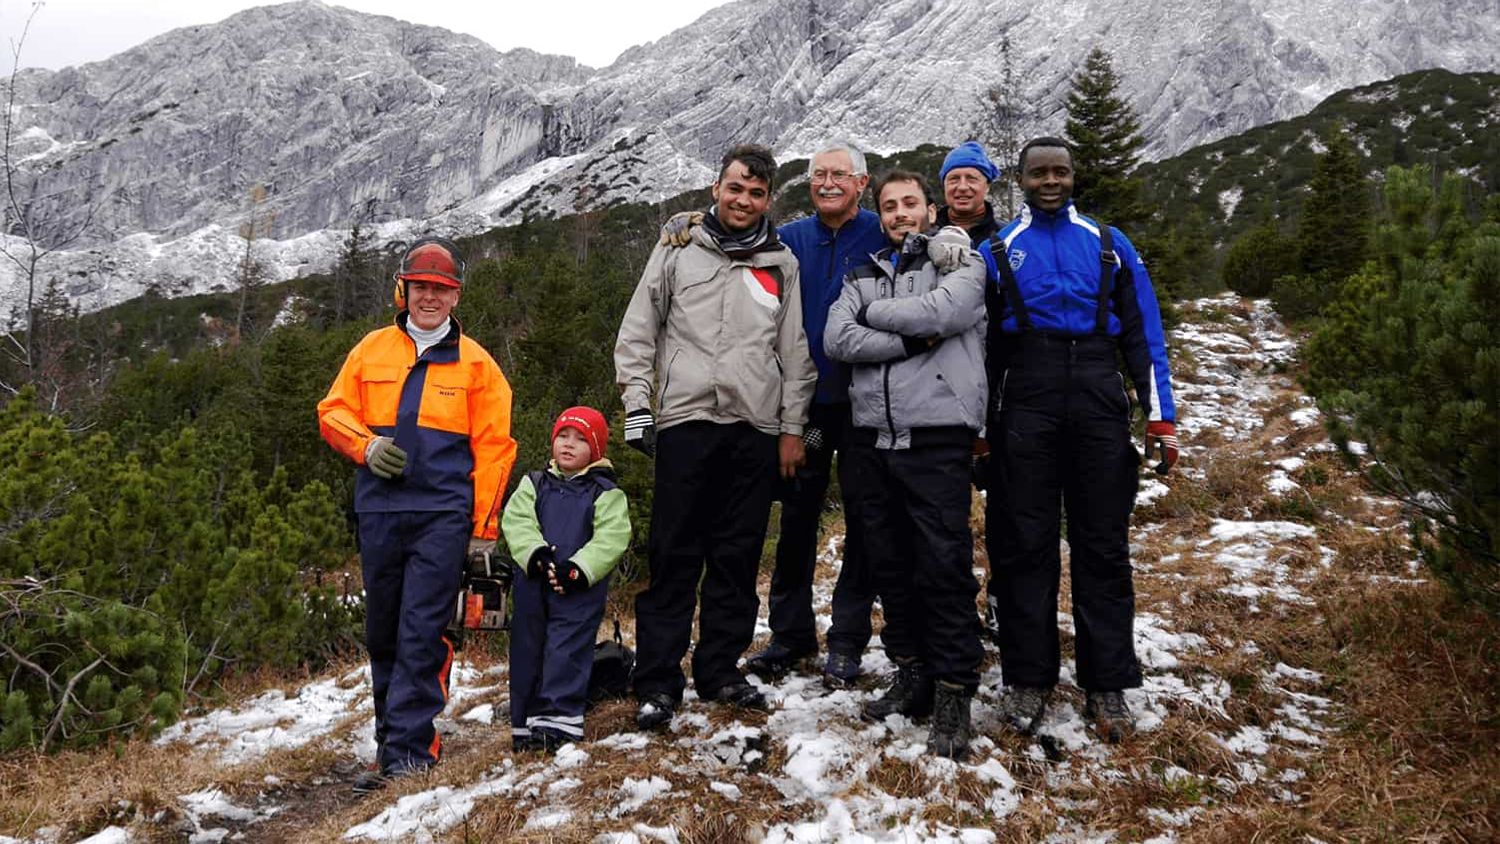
(483, 602)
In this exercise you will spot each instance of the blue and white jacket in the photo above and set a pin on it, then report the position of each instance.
(1055, 258)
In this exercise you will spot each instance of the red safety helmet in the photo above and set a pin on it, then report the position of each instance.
(432, 259)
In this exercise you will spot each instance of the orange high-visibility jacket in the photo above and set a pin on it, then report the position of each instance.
(449, 410)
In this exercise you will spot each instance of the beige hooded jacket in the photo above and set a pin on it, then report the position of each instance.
(717, 338)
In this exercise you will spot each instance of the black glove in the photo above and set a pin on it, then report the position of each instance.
(917, 345)
(568, 577)
(640, 432)
(812, 438)
(860, 316)
(542, 559)
(979, 465)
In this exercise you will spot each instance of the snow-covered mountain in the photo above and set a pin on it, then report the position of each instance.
(344, 116)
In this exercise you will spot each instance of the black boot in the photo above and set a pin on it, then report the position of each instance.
(910, 694)
(1109, 715)
(776, 661)
(950, 733)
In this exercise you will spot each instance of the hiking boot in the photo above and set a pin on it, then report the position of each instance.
(950, 733)
(524, 744)
(656, 710)
(1109, 715)
(910, 694)
(369, 781)
(742, 696)
(1022, 707)
(840, 671)
(547, 740)
(776, 661)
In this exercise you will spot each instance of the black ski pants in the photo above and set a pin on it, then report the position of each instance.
(710, 505)
(1061, 441)
(912, 506)
(791, 613)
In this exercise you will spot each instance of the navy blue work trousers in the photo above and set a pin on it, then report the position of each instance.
(413, 566)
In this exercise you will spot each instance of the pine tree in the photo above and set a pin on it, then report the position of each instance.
(1257, 258)
(1333, 231)
(1106, 139)
(1005, 114)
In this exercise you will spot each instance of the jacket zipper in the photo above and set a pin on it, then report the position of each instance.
(666, 381)
(890, 420)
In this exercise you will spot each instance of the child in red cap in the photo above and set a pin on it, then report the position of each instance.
(567, 527)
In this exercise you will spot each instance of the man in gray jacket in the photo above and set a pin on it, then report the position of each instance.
(714, 332)
(916, 342)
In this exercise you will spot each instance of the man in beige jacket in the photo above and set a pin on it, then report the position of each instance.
(714, 332)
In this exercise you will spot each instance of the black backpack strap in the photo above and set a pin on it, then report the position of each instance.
(1012, 290)
(1109, 262)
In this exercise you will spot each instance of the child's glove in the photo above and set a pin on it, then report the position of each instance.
(542, 559)
(567, 578)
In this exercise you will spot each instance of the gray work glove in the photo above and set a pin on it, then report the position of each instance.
(678, 231)
(384, 458)
(949, 249)
(480, 553)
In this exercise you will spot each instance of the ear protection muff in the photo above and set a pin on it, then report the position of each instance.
(398, 294)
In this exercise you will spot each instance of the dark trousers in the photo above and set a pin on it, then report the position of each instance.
(552, 654)
(1062, 437)
(791, 612)
(412, 565)
(912, 506)
(710, 505)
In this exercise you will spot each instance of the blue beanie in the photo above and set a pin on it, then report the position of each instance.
(969, 154)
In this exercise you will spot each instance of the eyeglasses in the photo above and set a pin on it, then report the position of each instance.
(838, 177)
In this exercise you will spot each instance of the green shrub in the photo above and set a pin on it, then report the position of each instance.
(130, 578)
(1409, 362)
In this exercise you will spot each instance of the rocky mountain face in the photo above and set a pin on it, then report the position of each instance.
(343, 116)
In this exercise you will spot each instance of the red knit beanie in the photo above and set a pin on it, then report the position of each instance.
(590, 423)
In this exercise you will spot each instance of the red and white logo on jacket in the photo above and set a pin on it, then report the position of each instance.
(764, 288)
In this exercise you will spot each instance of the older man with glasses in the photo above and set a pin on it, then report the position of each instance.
(838, 238)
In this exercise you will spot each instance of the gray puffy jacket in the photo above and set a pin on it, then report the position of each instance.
(894, 391)
(718, 339)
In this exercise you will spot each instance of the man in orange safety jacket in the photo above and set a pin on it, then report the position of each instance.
(425, 413)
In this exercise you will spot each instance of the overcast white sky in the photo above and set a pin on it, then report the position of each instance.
(69, 32)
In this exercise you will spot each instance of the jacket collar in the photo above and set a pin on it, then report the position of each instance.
(602, 465)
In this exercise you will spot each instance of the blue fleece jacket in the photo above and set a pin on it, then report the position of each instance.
(824, 257)
(1055, 258)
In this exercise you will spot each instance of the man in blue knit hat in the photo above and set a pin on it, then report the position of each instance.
(966, 176)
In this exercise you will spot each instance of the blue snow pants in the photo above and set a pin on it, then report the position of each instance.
(552, 655)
